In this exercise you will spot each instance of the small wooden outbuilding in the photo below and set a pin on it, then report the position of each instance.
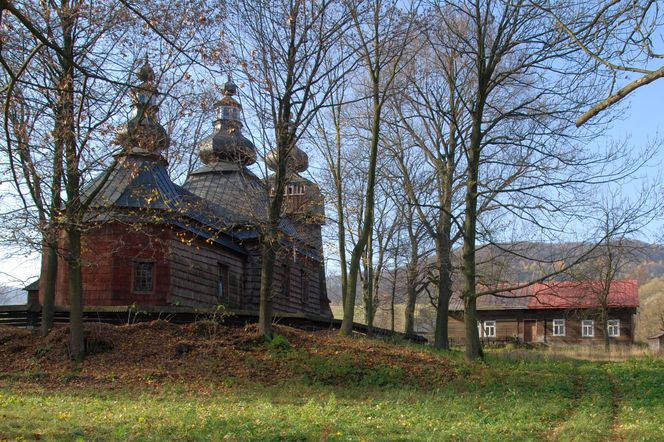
(656, 342)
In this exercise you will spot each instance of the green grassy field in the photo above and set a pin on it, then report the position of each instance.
(507, 398)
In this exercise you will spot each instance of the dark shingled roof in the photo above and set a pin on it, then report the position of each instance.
(223, 197)
(140, 181)
(34, 285)
(231, 187)
(134, 181)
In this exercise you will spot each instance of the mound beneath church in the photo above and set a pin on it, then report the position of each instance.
(203, 353)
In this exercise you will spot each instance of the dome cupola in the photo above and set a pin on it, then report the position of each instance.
(142, 132)
(297, 161)
(227, 144)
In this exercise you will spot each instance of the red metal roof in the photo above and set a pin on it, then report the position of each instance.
(584, 294)
(556, 295)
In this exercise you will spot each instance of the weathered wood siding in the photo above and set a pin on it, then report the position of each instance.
(187, 271)
(302, 294)
(195, 274)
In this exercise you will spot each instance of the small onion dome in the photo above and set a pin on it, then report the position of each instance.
(298, 160)
(143, 131)
(227, 144)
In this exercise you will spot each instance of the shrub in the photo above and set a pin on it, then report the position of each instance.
(279, 343)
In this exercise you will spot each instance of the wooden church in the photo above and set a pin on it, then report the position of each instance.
(150, 242)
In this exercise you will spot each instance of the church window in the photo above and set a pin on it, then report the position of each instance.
(143, 276)
(304, 286)
(222, 283)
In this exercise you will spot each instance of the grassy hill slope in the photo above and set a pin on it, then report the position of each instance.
(160, 381)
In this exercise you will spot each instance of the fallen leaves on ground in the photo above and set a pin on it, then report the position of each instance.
(202, 353)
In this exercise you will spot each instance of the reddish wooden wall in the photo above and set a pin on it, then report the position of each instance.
(108, 252)
(186, 271)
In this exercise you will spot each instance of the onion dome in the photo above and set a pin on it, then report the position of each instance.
(227, 144)
(143, 131)
(297, 161)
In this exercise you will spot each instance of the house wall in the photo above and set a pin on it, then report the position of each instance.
(510, 325)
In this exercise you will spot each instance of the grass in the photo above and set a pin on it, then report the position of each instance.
(304, 386)
(503, 400)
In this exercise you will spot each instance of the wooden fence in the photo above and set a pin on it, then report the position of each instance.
(29, 316)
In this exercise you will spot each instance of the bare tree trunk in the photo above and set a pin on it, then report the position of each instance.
(77, 338)
(394, 293)
(73, 208)
(441, 334)
(605, 328)
(473, 345)
(367, 224)
(50, 278)
(267, 276)
(411, 283)
(341, 227)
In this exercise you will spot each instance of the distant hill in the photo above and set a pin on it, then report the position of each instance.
(530, 260)
(651, 313)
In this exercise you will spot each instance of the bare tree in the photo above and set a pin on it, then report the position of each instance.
(383, 32)
(284, 50)
(620, 221)
(522, 85)
(74, 65)
(619, 37)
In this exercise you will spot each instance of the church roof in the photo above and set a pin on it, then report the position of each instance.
(140, 181)
(134, 181)
(231, 187)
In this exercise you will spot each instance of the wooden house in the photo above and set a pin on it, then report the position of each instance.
(150, 242)
(554, 313)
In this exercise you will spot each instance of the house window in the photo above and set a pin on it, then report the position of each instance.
(587, 328)
(487, 329)
(143, 276)
(490, 329)
(558, 327)
(613, 327)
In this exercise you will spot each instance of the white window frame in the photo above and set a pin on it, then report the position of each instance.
(559, 327)
(613, 328)
(588, 323)
(487, 325)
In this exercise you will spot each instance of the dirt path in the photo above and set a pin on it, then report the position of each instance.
(553, 433)
(594, 411)
(616, 400)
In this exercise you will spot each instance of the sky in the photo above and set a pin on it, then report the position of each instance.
(641, 120)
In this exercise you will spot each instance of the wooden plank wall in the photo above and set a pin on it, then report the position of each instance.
(195, 273)
(509, 325)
